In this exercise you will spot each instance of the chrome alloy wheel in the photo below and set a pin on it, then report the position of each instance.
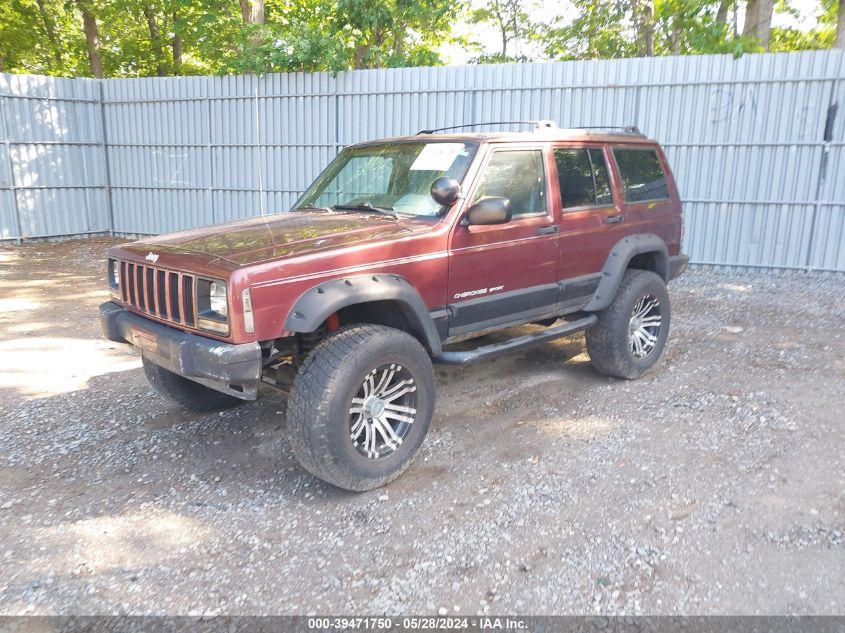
(383, 410)
(644, 326)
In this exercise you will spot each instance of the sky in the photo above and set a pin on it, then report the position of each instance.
(490, 39)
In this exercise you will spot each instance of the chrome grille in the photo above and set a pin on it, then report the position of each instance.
(160, 293)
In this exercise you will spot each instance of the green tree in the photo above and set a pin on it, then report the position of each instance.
(602, 30)
(821, 36)
(139, 38)
(512, 20)
(629, 28)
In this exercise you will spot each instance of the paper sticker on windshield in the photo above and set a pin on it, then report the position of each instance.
(437, 156)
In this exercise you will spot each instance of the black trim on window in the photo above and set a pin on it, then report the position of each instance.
(546, 207)
(594, 186)
(641, 177)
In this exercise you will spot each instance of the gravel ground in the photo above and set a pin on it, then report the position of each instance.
(714, 485)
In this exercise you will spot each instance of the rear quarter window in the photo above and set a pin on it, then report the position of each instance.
(642, 174)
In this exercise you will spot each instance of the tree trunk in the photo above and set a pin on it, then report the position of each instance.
(361, 54)
(750, 17)
(92, 39)
(758, 20)
(677, 33)
(176, 46)
(722, 13)
(55, 47)
(839, 42)
(155, 39)
(399, 41)
(503, 27)
(252, 11)
(643, 17)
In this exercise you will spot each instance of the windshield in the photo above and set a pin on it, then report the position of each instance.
(393, 177)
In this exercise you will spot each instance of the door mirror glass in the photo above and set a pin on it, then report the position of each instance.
(445, 191)
(490, 210)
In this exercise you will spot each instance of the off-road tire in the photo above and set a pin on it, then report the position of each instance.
(318, 411)
(186, 393)
(607, 340)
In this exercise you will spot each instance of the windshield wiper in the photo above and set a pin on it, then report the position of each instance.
(311, 207)
(366, 206)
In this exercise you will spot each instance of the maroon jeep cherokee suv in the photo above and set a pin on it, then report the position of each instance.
(399, 248)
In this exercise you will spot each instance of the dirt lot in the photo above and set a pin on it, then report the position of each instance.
(714, 485)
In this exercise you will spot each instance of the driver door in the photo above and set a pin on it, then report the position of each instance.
(506, 274)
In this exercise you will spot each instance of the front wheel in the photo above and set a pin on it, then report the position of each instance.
(361, 406)
(631, 332)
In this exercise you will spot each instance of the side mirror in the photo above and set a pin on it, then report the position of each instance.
(445, 191)
(491, 210)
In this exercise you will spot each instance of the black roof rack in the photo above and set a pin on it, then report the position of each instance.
(625, 129)
(538, 125)
(543, 124)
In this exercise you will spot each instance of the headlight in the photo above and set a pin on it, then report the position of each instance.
(217, 298)
(114, 274)
(212, 306)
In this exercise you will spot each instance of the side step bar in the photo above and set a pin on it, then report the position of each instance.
(515, 344)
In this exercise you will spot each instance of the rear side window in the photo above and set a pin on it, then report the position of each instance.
(582, 176)
(642, 175)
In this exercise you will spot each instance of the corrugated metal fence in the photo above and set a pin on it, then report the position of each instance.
(755, 143)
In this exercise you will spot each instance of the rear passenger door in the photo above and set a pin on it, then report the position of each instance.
(591, 220)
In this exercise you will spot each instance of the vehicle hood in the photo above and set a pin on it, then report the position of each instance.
(278, 236)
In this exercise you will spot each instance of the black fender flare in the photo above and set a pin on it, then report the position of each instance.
(617, 262)
(314, 306)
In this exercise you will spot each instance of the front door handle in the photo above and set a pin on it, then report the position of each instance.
(548, 230)
(614, 219)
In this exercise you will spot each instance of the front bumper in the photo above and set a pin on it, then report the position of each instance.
(232, 369)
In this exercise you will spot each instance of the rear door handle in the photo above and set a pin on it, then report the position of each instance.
(614, 219)
(548, 230)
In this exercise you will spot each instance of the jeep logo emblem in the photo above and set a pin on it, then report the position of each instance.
(152, 257)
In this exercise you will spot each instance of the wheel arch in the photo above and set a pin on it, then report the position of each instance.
(645, 251)
(390, 298)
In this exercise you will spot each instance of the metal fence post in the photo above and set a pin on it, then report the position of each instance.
(827, 138)
(106, 162)
(261, 196)
(12, 187)
(336, 122)
(210, 162)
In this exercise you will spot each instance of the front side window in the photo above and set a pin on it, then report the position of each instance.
(519, 176)
(642, 175)
(582, 175)
(392, 176)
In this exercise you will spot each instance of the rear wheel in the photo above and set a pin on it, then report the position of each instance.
(187, 393)
(631, 332)
(361, 406)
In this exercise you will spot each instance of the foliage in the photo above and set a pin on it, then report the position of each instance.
(184, 37)
(602, 30)
(820, 37)
(137, 37)
(515, 28)
(616, 28)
